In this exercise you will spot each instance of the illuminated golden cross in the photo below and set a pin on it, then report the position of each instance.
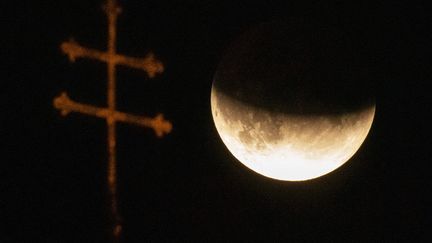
(148, 64)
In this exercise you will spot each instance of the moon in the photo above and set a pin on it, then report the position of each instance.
(291, 100)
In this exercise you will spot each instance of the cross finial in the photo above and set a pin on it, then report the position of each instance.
(111, 8)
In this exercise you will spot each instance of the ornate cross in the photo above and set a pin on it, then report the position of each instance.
(149, 64)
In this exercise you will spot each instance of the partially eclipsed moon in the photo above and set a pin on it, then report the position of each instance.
(293, 101)
(288, 147)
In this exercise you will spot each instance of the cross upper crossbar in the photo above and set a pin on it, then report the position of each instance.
(149, 63)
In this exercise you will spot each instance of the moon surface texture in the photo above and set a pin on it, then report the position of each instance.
(291, 100)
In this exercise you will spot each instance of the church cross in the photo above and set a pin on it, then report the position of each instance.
(149, 64)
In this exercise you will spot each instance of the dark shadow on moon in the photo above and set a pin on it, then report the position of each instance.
(296, 67)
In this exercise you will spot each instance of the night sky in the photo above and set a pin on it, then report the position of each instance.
(187, 186)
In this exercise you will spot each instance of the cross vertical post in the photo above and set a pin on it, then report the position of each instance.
(112, 10)
(149, 64)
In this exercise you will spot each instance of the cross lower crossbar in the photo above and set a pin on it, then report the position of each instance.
(158, 123)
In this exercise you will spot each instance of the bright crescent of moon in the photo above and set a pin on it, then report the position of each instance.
(289, 147)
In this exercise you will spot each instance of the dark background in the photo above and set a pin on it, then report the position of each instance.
(187, 186)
